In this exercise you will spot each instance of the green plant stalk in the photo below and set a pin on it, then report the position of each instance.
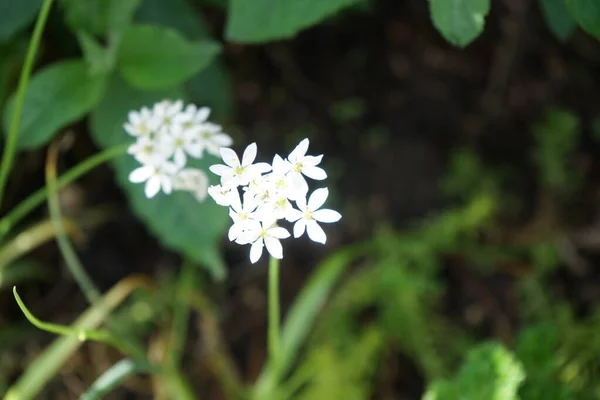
(64, 330)
(112, 377)
(274, 311)
(40, 196)
(181, 312)
(11, 143)
(47, 364)
(74, 265)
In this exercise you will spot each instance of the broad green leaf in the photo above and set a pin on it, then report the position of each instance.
(178, 220)
(459, 21)
(152, 57)
(263, 20)
(557, 17)
(490, 372)
(99, 17)
(587, 14)
(56, 96)
(15, 15)
(212, 86)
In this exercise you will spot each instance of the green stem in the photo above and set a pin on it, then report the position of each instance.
(64, 330)
(274, 316)
(181, 312)
(11, 143)
(112, 377)
(37, 198)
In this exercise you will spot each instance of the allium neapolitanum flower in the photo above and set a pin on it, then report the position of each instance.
(166, 136)
(268, 192)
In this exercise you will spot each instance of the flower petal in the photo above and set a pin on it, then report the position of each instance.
(279, 233)
(229, 157)
(249, 154)
(256, 251)
(299, 152)
(274, 247)
(219, 169)
(327, 216)
(315, 232)
(316, 173)
(317, 198)
(152, 187)
(140, 174)
(293, 215)
(299, 227)
(261, 167)
(311, 161)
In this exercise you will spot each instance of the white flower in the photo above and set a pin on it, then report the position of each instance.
(212, 139)
(192, 180)
(192, 116)
(182, 141)
(166, 111)
(142, 123)
(223, 196)
(157, 176)
(236, 174)
(243, 216)
(264, 234)
(308, 215)
(301, 164)
(150, 151)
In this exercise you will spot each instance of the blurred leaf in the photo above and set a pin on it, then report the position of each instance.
(12, 55)
(557, 18)
(557, 137)
(23, 270)
(178, 220)
(302, 314)
(112, 377)
(152, 57)
(212, 86)
(490, 372)
(587, 14)
(99, 17)
(56, 96)
(101, 60)
(262, 20)
(15, 15)
(459, 21)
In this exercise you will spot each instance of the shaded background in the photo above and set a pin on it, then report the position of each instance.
(412, 130)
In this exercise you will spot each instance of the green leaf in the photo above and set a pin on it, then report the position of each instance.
(101, 60)
(99, 17)
(459, 21)
(178, 220)
(587, 14)
(56, 96)
(15, 15)
(490, 372)
(263, 20)
(212, 86)
(152, 57)
(557, 17)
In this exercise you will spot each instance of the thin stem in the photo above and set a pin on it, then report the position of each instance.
(181, 311)
(11, 143)
(274, 317)
(73, 174)
(90, 291)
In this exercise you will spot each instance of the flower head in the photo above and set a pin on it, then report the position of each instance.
(236, 173)
(308, 216)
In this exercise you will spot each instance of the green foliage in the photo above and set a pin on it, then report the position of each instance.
(587, 14)
(100, 18)
(489, 372)
(153, 57)
(57, 95)
(556, 140)
(459, 21)
(177, 219)
(101, 60)
(557, 17)
(263, 20)
(16, 15)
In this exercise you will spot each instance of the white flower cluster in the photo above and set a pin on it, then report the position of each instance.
(268, 191)
(166, 136)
